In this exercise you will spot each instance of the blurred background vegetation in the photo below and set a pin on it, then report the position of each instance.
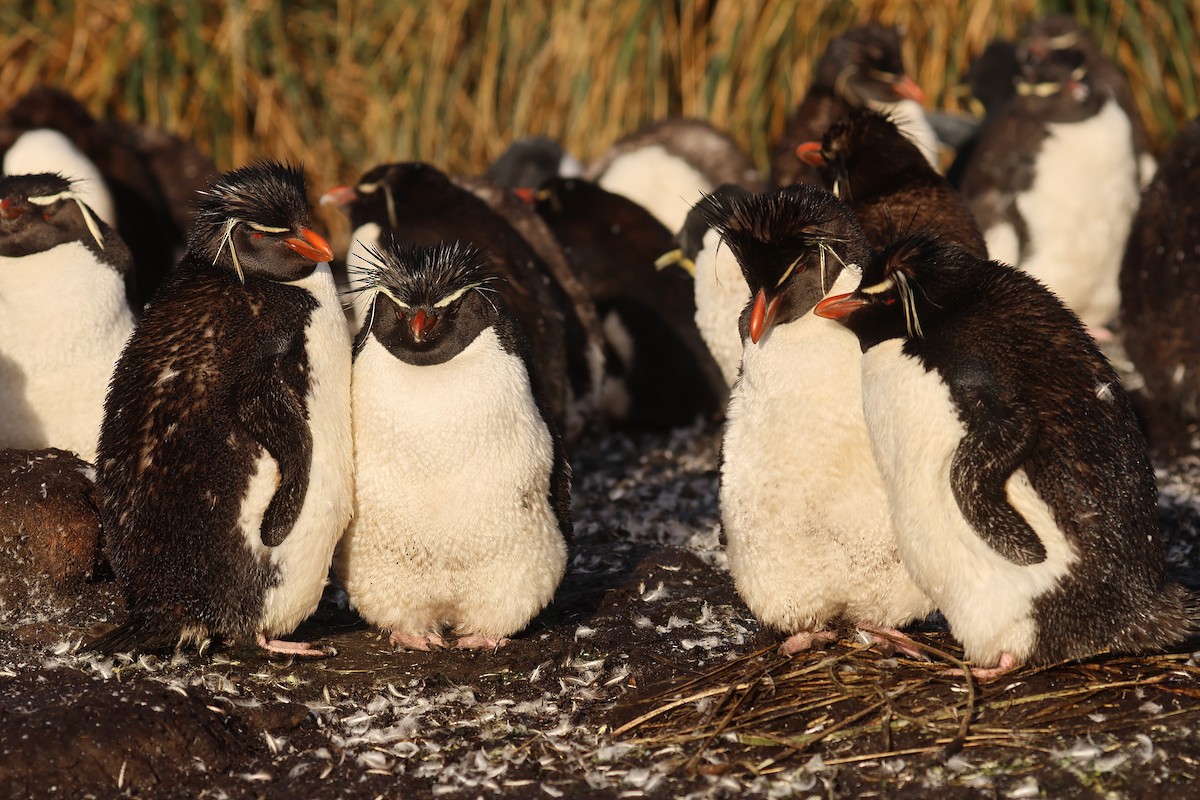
(344, 85)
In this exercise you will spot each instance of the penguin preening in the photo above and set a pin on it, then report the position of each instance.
(862, 67)
(224, 474)
(1054, 181)
(462, 498)
(667, 166)
(1022, 494)
(717, 282)
(803, 508)
(868, 163)
(65, 314)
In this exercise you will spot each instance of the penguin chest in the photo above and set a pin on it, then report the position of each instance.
(302, 559)
(721, 294)
(1079, 209)
(63, 322)
(915, 432)
(364, 239)
(664, 184)
(453, 522)
(802, 504)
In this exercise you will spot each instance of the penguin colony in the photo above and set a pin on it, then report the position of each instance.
(917, 416)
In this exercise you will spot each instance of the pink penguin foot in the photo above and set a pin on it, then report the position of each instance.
(892, 639)
(1008, 663)
(294, 648)
(475, 641)
(418, 641)
(805, 640)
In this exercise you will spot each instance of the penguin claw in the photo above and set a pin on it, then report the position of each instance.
(476, 641)
(1007, 664)
(294, 648)
(805, 640)
(425, 642)
(891, 640)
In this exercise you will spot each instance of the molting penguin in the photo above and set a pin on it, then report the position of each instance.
(1022, 494)
(462, 503)
(66, 314)
(867, 162)
(717, 283)
(803, 508)
(1160, 286)
(224, 476)
(667, 166)
(862, 67)
(1053, 181)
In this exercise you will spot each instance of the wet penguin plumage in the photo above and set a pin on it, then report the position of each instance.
(66, 314)
(1023, 497)
(462, 502)
(803, 508)
(224, 476)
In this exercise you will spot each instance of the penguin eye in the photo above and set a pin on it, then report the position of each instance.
(400, 314)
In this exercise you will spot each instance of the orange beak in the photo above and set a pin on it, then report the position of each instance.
(420, 323)
(339, 196)
(907, 88)
(839, 306)
(526, 194)
(313, 246)
(9, 210)
(762, 316)
(810, 153)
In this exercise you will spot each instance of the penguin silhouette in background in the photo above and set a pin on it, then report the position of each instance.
(462, 500)
(1022, 494)
(224, 474)
(803, 508)
(65, 284)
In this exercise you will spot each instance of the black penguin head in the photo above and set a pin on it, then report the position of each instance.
(429, 303)
(905, 288)
(382, 192)
(38, 212)
(697, 224)
(860, 152)
(530, 162)
(253, 221)
(791, 244)
(1054, 78)
(865, 63)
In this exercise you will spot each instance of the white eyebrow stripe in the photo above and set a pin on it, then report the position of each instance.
(878, 288)
(393, 297)
(48, 199)
(367, 188)
(450, 298)
(267, 228)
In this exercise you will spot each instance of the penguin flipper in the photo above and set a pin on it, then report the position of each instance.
(271, 411)
(999, 438)
(135, 635)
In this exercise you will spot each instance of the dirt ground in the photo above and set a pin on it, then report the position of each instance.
(647, 677)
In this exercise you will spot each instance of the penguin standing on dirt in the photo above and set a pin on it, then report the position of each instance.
(1022, 494)
(224, 476)
(462, 502)
(803, 507)
(720, 290)
(869, 164)
(64, 314)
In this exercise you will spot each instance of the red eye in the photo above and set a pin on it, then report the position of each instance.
(400, 315)
(46, 217)
(258, 235)
(889, 301)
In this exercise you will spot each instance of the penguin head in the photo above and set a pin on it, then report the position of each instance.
(382, 192)
(791, 243)
(38, 212)
(427, 303)
(1054, 77)
(530, 162)
(865, 63)
(253, 222)
(861, 147)
(697, 225)
(905, 288)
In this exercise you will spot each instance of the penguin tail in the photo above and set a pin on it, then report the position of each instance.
(135, 635)
(1171, 619)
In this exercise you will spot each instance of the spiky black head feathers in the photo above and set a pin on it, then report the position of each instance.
(46, 184)
(422, 276)
(713, 206)
(266, 193)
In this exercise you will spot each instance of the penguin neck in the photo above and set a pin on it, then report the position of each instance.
(85, 293)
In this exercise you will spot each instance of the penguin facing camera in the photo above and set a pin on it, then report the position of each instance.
(803, 508)
(65, 278)
(224, 474)
(1022, 495)
(462, 500)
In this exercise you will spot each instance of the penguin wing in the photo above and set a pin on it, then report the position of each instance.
(1000, 436)
(270, 408)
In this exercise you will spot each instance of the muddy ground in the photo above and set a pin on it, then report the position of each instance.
(646, 677)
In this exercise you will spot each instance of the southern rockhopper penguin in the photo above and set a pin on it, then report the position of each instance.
(803, 508)
(462, 502)
(869, 164)
(862, 67)
(65, 291)
(224, 475)
(1022, 495)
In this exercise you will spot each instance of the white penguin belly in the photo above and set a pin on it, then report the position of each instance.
(1079, 209)
(364, 239)
(802, 504)
(64, 320)
(915, 431)
(662, 183)
(453, 524)
(721, 294)
(302, 560)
